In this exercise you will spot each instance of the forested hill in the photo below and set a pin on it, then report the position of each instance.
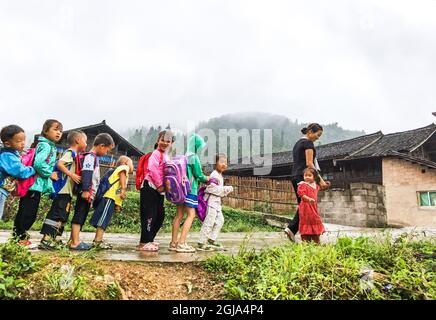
(285, 131)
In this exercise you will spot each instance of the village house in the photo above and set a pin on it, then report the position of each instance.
(122, 146)
(377, 179)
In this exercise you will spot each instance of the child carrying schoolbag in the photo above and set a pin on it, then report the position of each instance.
(80, 158)
(62, 178)
(103, 187)
(176, 181)
(22, 186)
(141, 169)
(203, 200)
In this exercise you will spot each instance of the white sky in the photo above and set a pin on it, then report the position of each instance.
(366, 64)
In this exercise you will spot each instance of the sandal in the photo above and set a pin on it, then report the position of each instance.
(82, 246)
(215, 245)
(204, 247)
(172, 246)
(149, 246)
(49, 245)
(185, 248)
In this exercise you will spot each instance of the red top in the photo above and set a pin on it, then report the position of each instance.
(310, 220)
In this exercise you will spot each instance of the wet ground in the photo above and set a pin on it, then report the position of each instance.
(124, 245)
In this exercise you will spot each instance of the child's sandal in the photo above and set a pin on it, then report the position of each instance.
(150, 247)
(172, 246)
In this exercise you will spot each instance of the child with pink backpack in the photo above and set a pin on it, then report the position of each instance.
(214, 220)
(11, 168)
(152, 191)
(43, 163)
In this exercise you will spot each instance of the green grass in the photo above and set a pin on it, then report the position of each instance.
(401, 269)
(57, 275)
(128, 221)
(15, 263)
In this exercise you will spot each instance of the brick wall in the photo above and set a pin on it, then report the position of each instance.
(361, 206)
(402, 181)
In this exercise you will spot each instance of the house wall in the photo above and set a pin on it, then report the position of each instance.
(362, 205)
(402, 181)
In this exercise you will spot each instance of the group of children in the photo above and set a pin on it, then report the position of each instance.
(77, 174)
(152, 192)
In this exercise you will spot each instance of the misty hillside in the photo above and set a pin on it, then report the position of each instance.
(285, 131)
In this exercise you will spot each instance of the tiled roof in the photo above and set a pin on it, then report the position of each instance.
(372, 145)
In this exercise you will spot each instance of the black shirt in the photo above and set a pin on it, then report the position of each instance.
(299, 156)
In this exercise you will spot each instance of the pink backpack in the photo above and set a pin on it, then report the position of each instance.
(202, 201)
(176, 181)
(23, 185)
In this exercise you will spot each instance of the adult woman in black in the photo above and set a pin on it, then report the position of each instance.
(304, 155)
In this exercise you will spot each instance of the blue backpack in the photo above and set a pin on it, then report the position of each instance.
(103, 187)
(62, 179)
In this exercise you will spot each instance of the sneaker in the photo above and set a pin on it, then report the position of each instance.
(27, 244)
(24, 243)
(185, 248)
(204, 247)
(49, 245)
(172, 246)
(216, 245)
(290, 234)
(101, 245)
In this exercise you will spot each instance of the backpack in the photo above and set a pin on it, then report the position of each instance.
(62, 179)
(141, 169)
(202, 201)
(103, 187)
(80, 158)
(23, 185)
(176, 181)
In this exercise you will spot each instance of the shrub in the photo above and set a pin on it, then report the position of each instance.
(361, 268)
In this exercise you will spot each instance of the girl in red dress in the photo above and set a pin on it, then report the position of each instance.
(310, 226)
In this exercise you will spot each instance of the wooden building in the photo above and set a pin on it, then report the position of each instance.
(358, 159)
(379, 179)
(122, 146)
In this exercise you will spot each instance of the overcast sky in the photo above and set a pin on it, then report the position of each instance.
(367, 64)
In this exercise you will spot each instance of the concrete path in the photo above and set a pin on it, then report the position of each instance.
(125, 244)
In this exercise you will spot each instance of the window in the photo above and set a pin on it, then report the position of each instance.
(427, 198)
(328, 176)
(374, 171)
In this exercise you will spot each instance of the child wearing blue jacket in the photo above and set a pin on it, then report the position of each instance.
(11, 168)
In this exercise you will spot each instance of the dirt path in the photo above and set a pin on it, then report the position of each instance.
(164, 281)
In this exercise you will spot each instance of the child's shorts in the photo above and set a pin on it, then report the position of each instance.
(59, 211)
(81, 211)
(191, 201)
(103, 214)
